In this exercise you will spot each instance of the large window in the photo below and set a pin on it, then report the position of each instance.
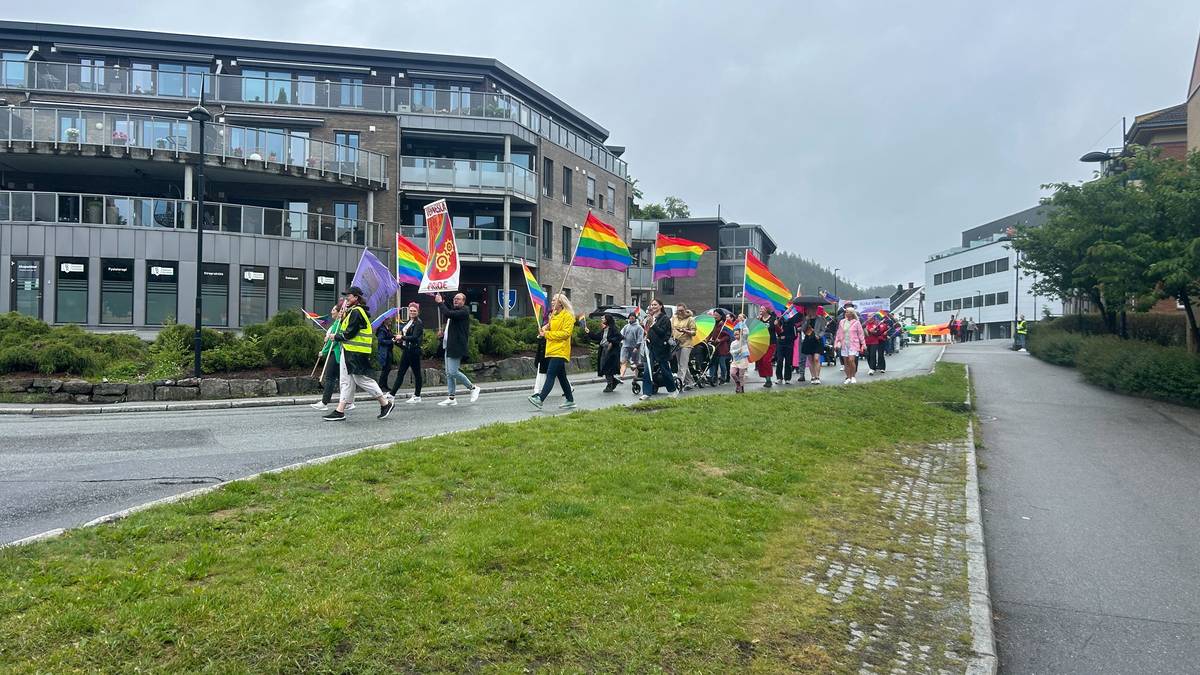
(1002, 265)
(989, 267)
(70, 294)
(214, 294)
(291, 289)
(547, 177)
(611, 206)
(14, 69)
(325, 291)
(567, 250)
(252, 295)
(116, 290)
(346, 218)
(1002, 298)
(547, 240)
(27, 286)
(91, 74)
(351, 92)
(162, 291)
(591, 191)
(566, 185)
(254, 85)
(989, 299)
(347, 150)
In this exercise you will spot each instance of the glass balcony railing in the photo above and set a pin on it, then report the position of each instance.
(483, 244)
(467, 175)
(303, 91)
(64, 126)
(95, 209)
(641, 277)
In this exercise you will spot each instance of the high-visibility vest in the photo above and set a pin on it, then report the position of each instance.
(363, 341)
(1020, 328)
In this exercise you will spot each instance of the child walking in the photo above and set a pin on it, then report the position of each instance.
(740, 352)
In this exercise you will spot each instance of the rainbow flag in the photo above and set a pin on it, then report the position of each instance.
(600, 247)
(763, 288)
(537, 296)
(729, 327)
(676, 257)
(322, 320)
(410, 261)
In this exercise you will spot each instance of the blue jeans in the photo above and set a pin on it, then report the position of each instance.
(661, 362)
(556, 369)
(453, 373)
(1020, 341)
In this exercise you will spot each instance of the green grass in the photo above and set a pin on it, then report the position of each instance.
(661, 539)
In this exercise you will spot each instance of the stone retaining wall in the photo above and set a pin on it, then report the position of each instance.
(191, 389)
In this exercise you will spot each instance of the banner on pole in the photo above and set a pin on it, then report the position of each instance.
(441, 269)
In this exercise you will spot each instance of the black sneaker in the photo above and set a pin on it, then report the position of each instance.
(335, 416)
(385, 410)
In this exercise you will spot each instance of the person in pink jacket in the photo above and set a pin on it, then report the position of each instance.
(850, 342)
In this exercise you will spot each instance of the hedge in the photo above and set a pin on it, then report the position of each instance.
(1168, 330)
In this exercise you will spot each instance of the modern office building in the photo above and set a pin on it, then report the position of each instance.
(312, 153)
(718, 280)
(981, 280)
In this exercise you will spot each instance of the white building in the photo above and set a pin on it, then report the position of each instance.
(979, 280)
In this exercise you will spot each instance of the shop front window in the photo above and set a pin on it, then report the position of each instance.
(71, 290)
(116, 290)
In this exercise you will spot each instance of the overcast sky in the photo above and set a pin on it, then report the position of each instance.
(865, 135)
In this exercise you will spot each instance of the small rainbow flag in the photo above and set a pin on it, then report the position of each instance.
(763, 288)
(729, 327)
(676, 257)
(537, 296)
(322, 320)
(410, 261)
(600, 247)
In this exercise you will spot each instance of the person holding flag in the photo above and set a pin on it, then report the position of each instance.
(332, 351)
(355, 337)
(558, 332)
(455, 335)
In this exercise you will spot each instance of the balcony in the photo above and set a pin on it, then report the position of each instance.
(479, 245)
(467, 176)
(224, 144)
(153, 212)
(303, 91)
(641, 277)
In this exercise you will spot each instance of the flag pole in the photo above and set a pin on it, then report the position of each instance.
(745, 261)
(567, 275)
(653, 263)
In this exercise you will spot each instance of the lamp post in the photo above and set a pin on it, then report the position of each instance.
(201, 116)
(978, 308)
(835, 271)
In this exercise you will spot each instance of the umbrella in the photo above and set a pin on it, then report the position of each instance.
(810, 300)
(705, 323)
(759, 341)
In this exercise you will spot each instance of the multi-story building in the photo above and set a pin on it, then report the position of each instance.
(981, 280)
(1193, 104)
(312, 153)
(718, 280)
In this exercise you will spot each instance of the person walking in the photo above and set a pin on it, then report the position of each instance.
(331, 372)
(539, 362)
(875, 333)
(850, 343)
(683, 329)
(785, 332)
(658, 351)
(357, 342)
(410, 336)
(558, 331)
(718, 370)
(455, 335)
(766, 364)
(608, 338)
(810, 350)
(739, 352)
(632, 337)
(384, 341)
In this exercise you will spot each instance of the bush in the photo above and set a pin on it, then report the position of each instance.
(180, 336)
(430, 343)
(1125, 366)
(292, 346)
(497, 340)
(63, 357)
(1054, 346)
(18, 359)
(281, 320)
(233, 356)
(1168, 330)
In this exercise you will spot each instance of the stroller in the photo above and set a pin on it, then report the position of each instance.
(659, 376)
(702, 356)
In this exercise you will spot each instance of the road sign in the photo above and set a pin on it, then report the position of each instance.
(510, 302)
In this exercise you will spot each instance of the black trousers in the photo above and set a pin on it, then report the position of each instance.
(783, 361)
(409, 359)
(556, 369)
(330, 379)
(384, 369)
(876, 357)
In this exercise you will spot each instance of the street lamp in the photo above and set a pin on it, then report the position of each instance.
(835, 271)
(201, 116)
(978, 308)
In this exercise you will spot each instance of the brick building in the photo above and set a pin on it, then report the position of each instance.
(312, 153)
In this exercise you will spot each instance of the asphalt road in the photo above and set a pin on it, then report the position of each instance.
(64, 471)
(1091, 511)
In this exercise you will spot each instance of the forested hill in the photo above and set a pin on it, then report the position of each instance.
(793, 269)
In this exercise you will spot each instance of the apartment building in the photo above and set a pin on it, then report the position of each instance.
(312, 153)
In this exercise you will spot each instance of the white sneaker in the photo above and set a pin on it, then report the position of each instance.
(854, 380)
(319, 406)
(644, 397)
(447, 402)
(475, 393)
(846, 381)
(841, 367)
(870, 372)
(350, 407)
(390, 398)
(413, 399)
(674, 394)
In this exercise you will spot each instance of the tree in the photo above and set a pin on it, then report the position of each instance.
(676, 208)
(651, 212)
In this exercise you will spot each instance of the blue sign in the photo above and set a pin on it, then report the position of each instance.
(510, 302)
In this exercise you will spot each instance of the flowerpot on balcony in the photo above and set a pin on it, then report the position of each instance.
(72, 135)
(161, 143)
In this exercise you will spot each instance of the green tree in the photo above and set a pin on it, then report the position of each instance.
(676, 208)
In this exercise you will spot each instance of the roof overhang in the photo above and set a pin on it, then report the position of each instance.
(72, 48)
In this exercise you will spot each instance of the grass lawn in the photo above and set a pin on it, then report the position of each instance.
(663, 537)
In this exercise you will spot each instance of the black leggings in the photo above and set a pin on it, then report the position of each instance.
(556, 368)
(409, 359)
(330, 378)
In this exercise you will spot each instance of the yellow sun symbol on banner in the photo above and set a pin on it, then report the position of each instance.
(441, 259)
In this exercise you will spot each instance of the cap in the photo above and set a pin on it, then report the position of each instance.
(353, 290)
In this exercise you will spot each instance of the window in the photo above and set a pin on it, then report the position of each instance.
(547, 177)
(608, 300)
(325, 291)
(566, 185)
(567, 249)
(351, 92)
(116, 290)
(612, 199)
(989, 267)
(14, 70)
(989, 299)
(549, 293)
(306, 89)
(141, 78)
(346, 219)
(547, 240)
(937, 306)
(956, 275)
(1002, 298)
(598, 298)
(291, 289)
(977, 270)
(937, 279)
(956, 304)
(162, 289)
(70, 297)
(27, 286)
(347, 150)
(254, 85)
(1002, 265)
(591, 191)
(214, 294)
(567, 292)
(979, 301)
(966, 303)
(252, 295)
(91, 74)
(666, 287)
(967, 272)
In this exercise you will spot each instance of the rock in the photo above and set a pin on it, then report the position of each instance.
(291, 386)
(579, 364)
(109, 389)
(244, 388)
(176, 393)
(431, 376)
(269, 388)
(15, 386)
(77, 387)
(138, 392)
(516, 368)
(46, 384)
(81, 398)
(212, 387)
(62, 397)
(106, 399)
(188, 382)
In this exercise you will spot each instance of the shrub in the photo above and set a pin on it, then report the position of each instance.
(1054, 346)
(233, 356)
(1168, 330)
(18, 358)
(281, 320)
(63, 357)
(430, 343)
(292, 346)
(1126, 366)
(180, 336)
(497, 340)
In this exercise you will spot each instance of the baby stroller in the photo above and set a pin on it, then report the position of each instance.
(702, 356)
(659, 376)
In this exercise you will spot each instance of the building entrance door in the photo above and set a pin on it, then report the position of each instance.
(479, 301)
(26, 279)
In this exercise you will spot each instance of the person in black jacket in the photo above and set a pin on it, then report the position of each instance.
(608, 361)
(454, 336)
(356, 367)
(658, 348)
(384, 341)
(409, 336)
(785, 331)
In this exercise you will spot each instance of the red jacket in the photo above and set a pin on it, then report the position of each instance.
(876, 332)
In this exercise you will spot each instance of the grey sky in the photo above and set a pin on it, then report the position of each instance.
(864, 135)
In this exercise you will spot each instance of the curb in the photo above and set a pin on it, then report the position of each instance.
(237, 403)
(983, 639)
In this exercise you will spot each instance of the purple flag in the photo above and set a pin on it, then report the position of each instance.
(375, 280)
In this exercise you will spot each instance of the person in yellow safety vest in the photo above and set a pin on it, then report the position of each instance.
(1022, 332)
(358, 343)
(332, 351)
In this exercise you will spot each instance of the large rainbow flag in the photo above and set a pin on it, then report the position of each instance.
(763, 288)
(537, 296)
(676, 257)
(600, 247)
(410, 261)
